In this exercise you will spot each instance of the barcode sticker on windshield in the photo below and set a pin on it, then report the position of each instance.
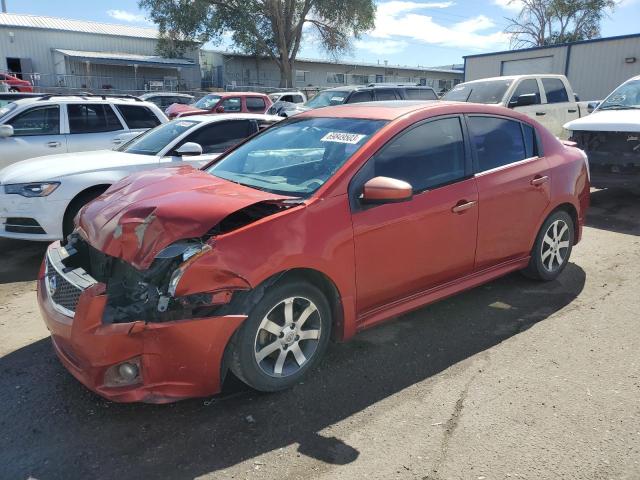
(342, 137)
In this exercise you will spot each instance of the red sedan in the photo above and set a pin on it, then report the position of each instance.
(320, 226)
(16, 84)
(222, 102)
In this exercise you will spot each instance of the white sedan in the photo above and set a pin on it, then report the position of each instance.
(40, 197)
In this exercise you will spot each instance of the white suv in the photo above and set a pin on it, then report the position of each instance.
(50, 124)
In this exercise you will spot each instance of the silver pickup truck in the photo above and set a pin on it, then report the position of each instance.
(547, 98)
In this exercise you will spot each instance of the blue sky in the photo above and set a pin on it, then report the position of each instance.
(408, 32)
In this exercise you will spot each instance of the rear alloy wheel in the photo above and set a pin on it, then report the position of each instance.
(285, 335)
(553, 247)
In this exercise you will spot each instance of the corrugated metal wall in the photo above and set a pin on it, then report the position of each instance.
(594, 68)
(37, 45)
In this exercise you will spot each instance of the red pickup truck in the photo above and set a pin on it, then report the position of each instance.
(16, 84)
(222, 102)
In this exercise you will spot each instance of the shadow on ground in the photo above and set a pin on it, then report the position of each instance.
(53, 428)
(20, 260)
(616, 210)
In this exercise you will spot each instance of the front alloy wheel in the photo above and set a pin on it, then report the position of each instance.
(284, 337)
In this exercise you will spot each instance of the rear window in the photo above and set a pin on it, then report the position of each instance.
(498, 141)
(479, 92)
(554, 88)
(420, 94)
(92, 118)
(256, 104)
(138, 116)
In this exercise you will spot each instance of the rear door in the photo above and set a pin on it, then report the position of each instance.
(255, 104)
(231, 104)
(92, 126)
(514, 187)
(560, 108)
(409, 247)
(36, 132)
(383, 94)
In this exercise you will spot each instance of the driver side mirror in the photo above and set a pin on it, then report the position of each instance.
(386, 190)
(189, 149)
(220, 109)
(524, 100)
(6, 131)
(591, 106)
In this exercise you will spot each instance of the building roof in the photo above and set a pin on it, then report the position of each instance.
(358, 64)
(54, 23)
(593, 40)
(117, 58)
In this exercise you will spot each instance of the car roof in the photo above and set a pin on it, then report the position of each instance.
(394, 109)
(38, 100)
(228, 116)
(164, 94)
(237, 94)
(515, 77)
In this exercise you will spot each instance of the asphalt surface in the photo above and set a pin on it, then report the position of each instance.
(514, 379)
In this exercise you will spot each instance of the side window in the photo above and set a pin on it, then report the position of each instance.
(554, 88)
(231, 104)
(284, 98)
(255, 104)
(297, 99)
(497, 141)
(526, 87)
(386, 95)
(37, 121)
(358, 97)
(420, 94)
(220, 136)
(530, 140)
(92, 118)
(138, 116)
(426, 156)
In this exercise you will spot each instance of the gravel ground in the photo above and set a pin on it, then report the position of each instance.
(514, 379)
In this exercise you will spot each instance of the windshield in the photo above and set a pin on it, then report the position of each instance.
(297, 157)
(326, 98)
(6, 108)
(208, 102)
(153, 141)
(626, 96)
(478, 92)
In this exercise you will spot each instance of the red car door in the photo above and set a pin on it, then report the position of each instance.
(514, 185)
(408, 247)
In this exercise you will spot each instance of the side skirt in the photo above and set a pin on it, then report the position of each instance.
(417, 300)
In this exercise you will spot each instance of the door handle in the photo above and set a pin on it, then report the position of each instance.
(53, 144)
(537, 181)
(572, 111)
(462, 206)
(540, 114)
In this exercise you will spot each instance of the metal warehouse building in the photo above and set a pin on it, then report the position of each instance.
(594, 67)
(57, 52)
(225, 70)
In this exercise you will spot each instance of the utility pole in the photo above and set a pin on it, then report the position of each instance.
(4, 6)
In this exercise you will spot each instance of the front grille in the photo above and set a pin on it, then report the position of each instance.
(63, 293)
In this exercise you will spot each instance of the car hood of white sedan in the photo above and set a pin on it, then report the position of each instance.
(54, 167)
(607, 121)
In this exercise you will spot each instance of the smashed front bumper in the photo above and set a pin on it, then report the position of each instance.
(177, 359)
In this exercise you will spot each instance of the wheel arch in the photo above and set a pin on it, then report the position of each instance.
(99, 189)
(573, 213)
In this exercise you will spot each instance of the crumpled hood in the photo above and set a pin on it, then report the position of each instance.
(146, 212)
(607, 121)
(180, 108)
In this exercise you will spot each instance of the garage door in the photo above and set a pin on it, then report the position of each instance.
(528, 66)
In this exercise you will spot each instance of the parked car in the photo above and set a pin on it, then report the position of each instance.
(359, 94)
(40, 197)
(16, 84)
(50, 124)
(165, 99)
(611, 137)
(547, 98)
(295, 96)
(223, 102)
(322, 225)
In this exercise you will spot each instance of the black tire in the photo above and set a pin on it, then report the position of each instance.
(545, 261)
(245, 349)
(75, 206)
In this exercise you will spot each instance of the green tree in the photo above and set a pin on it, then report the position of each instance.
(273, 28)
(550, 22)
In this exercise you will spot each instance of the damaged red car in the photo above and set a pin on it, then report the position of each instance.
(320, 226)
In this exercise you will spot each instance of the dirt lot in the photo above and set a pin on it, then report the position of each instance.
(514, 379)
